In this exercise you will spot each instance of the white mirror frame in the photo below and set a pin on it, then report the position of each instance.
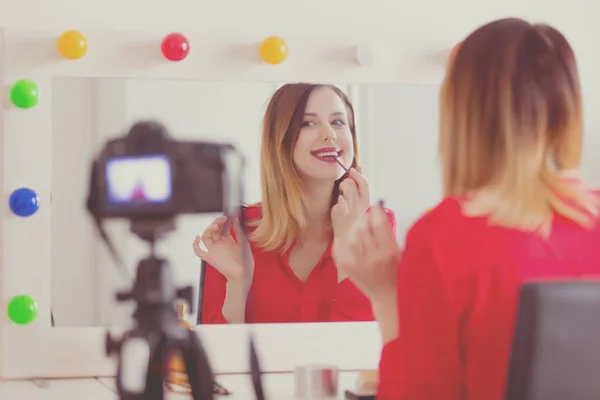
(37, 349)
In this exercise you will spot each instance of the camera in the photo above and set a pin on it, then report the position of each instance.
(148, 174)
(150, 178)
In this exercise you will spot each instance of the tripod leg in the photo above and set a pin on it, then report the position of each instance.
(140, 373)
(198, 368)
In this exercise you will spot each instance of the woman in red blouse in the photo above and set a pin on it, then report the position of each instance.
(515, 210)
(307, 199)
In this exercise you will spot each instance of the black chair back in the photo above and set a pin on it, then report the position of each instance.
(556, 347)
(201, 292)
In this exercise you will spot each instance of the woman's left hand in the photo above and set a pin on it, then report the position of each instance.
(370, 255)
(353, 202)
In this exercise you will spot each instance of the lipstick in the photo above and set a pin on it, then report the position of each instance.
(341, 164)
(226, 226)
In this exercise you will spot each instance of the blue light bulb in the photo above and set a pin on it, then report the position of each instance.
(24, 202)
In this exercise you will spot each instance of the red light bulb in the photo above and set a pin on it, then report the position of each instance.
(175, 47)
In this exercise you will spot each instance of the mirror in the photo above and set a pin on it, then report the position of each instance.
(397, 129)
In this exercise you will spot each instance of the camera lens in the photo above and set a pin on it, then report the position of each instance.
(147, 137)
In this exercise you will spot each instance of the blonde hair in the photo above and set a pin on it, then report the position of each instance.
(510, 122)
(284, 203)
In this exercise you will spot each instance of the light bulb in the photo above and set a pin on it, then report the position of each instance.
(369, 54)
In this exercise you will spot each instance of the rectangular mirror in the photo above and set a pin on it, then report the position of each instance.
(397, 129)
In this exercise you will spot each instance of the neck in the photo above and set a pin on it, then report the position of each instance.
(319, 208)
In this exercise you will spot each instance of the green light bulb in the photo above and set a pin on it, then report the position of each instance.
(25, 94)
(22, 309)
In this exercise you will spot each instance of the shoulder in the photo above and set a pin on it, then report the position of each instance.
(445, 219)
(447, 241)
(449, 207)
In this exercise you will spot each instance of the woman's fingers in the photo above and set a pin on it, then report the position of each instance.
(207, 235)
(340, 208)
(380, 226)
(373, 228)
(197, 246)
(361, 241)
(383, 236)
(368, 235)
(349, 190)
(361, 182)
(212, 232)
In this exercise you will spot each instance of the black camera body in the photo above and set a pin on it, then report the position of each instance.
(147, 174)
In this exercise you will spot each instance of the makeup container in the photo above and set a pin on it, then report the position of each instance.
(316, 382)
(368, 380)
(177, 379)
(177, 376)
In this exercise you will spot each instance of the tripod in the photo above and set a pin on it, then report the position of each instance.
(145, 350)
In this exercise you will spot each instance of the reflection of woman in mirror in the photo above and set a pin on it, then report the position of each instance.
(307, 199)
(515, 210)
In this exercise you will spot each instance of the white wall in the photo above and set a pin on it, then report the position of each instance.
(73, 274)
(402, 125)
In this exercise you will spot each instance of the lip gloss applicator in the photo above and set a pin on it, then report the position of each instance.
(226, 226)
(341, 164)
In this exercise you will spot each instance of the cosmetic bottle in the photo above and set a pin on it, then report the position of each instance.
(177, 376)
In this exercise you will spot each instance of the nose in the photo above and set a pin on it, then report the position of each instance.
(328, 133)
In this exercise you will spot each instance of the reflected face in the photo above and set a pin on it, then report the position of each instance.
(325, 135)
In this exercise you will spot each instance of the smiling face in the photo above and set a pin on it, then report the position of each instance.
(324, 136)
(301, 121)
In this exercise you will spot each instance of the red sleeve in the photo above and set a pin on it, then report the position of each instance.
(215, 286)
(349, 302)
(424, 361)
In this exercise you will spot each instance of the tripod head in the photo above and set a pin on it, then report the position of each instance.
(154, 284)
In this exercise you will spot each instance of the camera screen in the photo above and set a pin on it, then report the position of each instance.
(138, 180)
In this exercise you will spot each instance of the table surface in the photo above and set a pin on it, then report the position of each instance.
(277, 387)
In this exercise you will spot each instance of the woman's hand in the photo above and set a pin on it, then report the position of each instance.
(224, 253)
(352, 203)
(370, 255)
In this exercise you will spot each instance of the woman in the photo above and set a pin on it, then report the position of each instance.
(515, 210)
(307, 199)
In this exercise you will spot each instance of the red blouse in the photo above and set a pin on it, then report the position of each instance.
(458, 288)
(278, 295)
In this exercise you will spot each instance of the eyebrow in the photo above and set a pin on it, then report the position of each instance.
(337, 113)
